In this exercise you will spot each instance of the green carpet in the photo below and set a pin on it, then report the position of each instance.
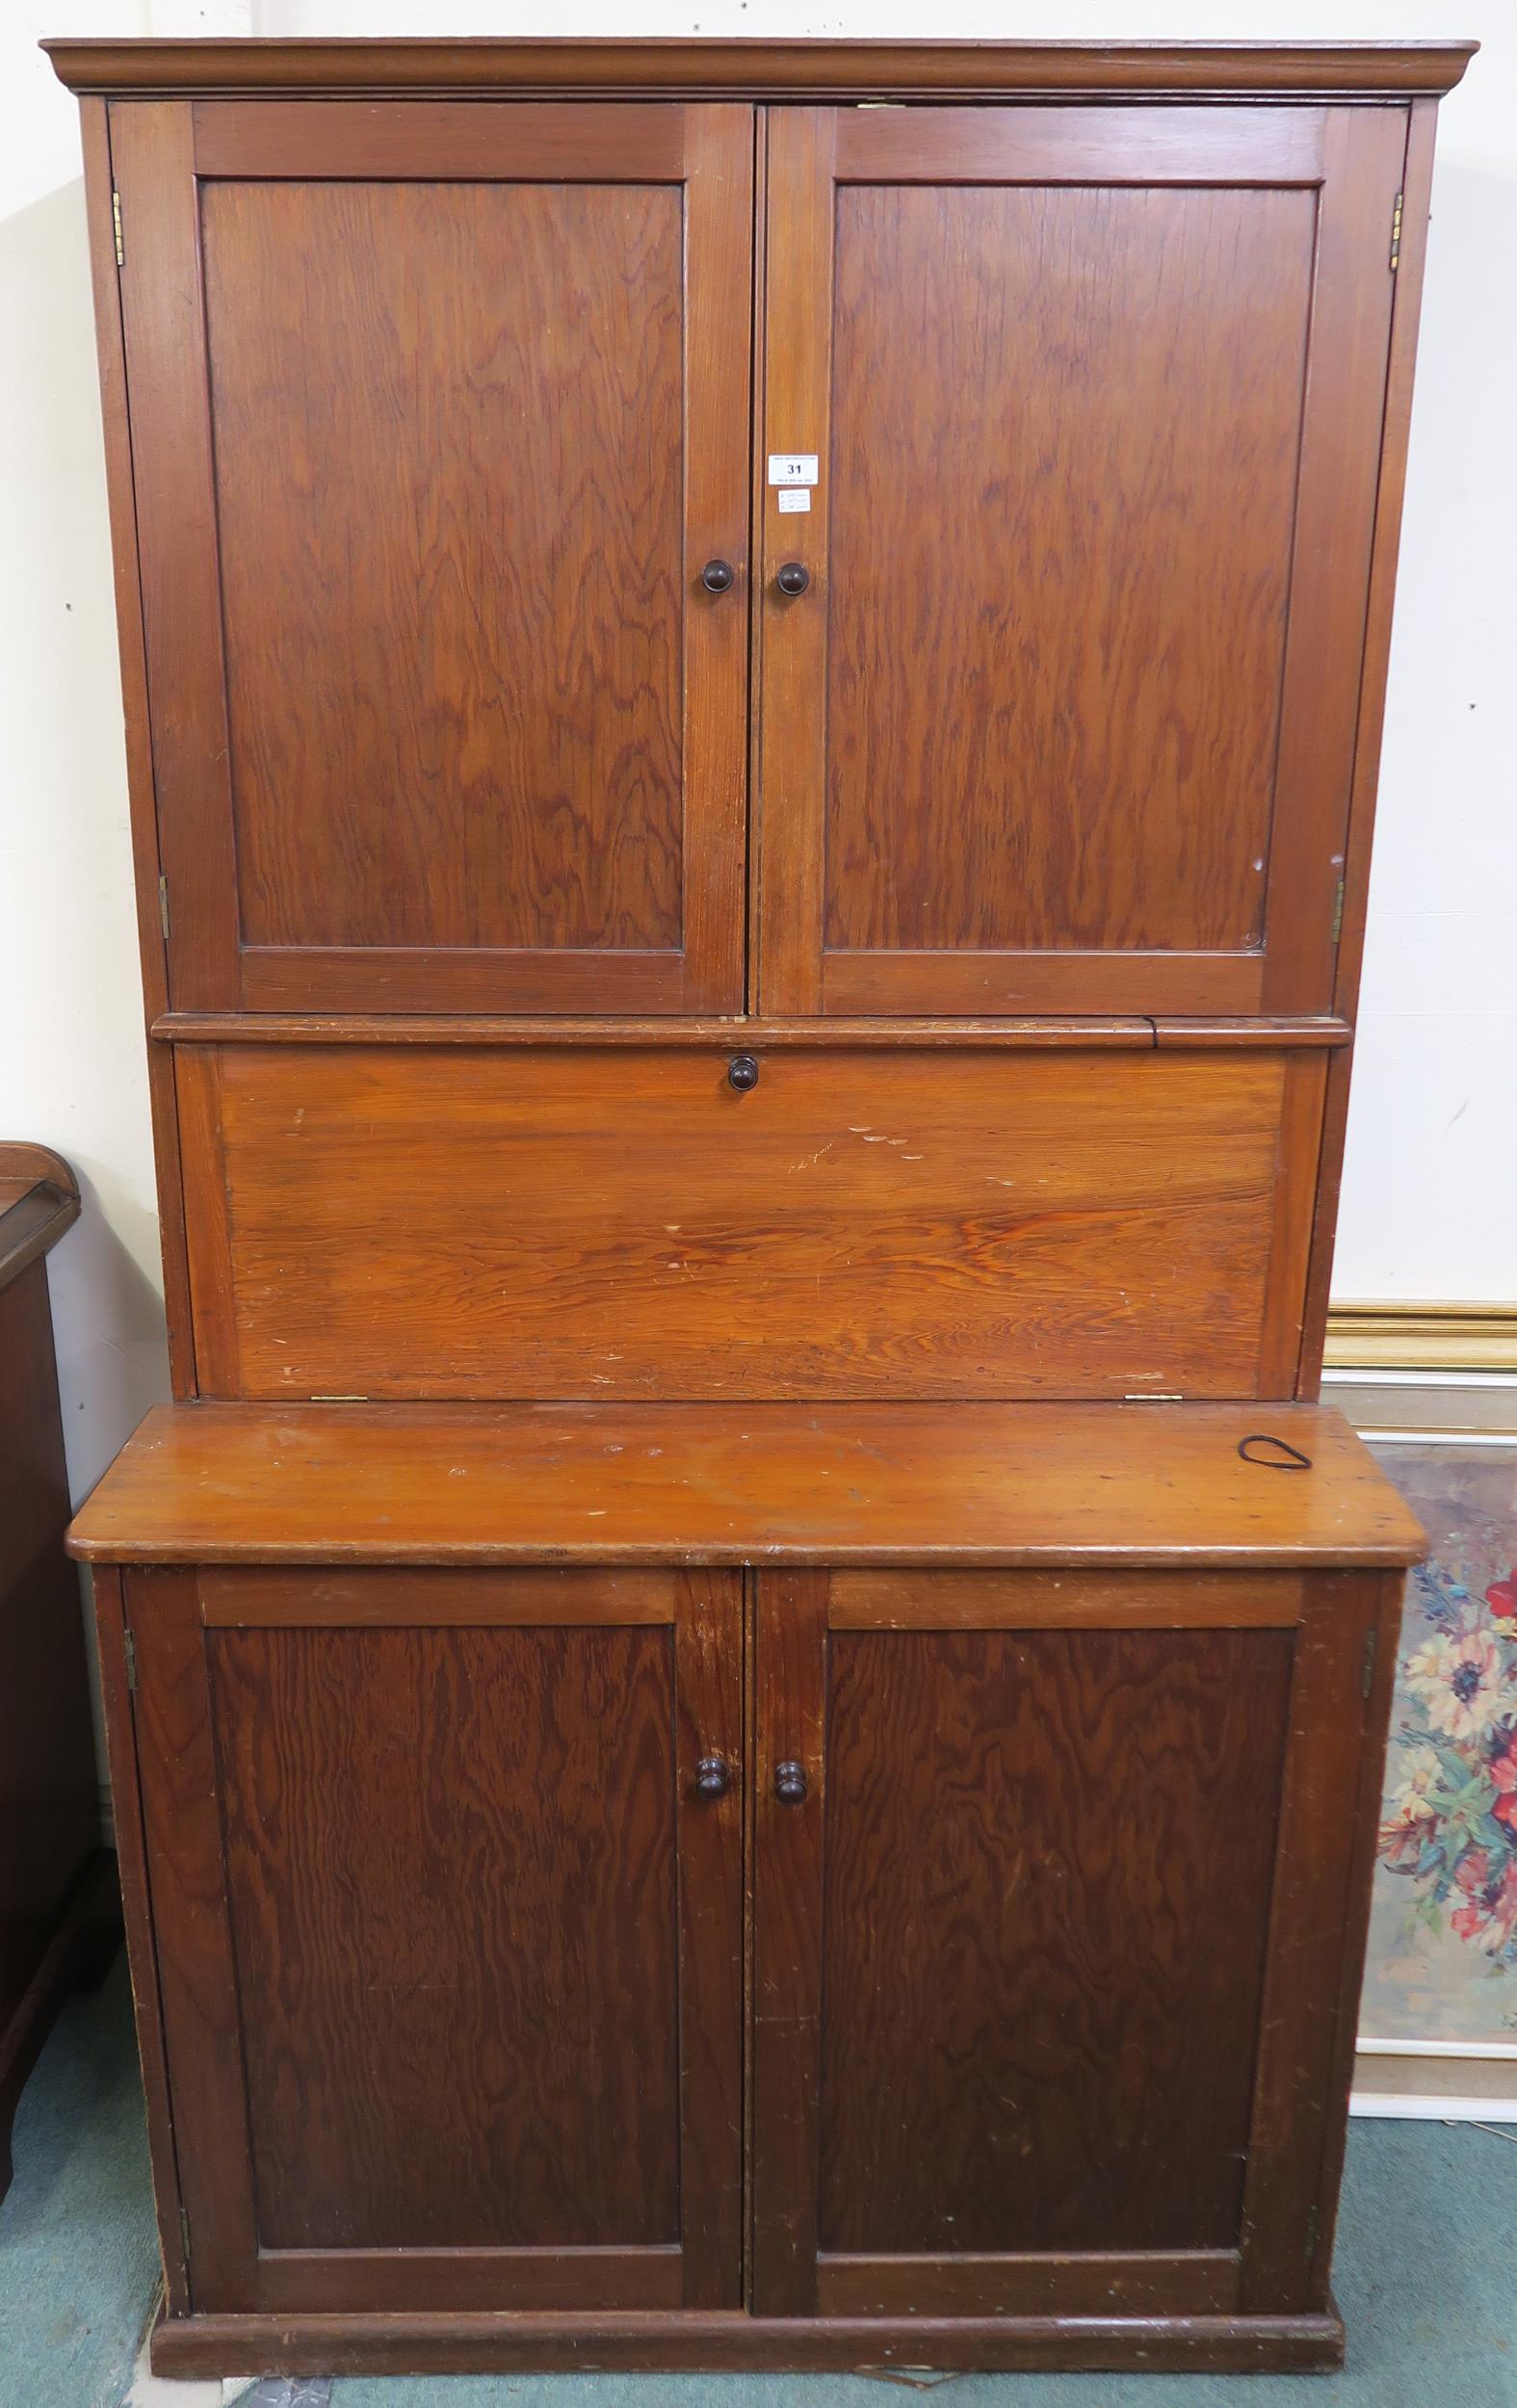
(78, 2252)
(1427, 2276)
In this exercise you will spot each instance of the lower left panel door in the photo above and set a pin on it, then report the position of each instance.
(446, 1886)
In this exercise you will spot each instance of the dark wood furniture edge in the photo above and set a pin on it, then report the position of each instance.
(730, 2339)
(762, 69)
(1138, 1032)
(122, 504)
(1356, 1924)
(142, 1956)
(75, 1935)
(78, 1954)
(1400, 366)
(39, 1201)
(757, 1556)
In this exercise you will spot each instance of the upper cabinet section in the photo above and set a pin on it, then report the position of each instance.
(1048, 386)
(1089, 400)
(438, 413)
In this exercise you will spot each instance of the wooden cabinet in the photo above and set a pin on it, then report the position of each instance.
(60, 1917)
(1066, 718)
(1050, 1842)
(449, 439)
(1021, 1884)
(1016, 1837)
(742, 1684)
(486, 751)
(462, 2004)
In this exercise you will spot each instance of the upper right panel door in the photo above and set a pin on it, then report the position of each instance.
(1072, 424)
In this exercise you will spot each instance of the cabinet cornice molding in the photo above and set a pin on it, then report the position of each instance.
(788, 71)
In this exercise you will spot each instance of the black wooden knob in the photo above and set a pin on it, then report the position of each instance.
(792, 578)
(790, 1784)
(712, 1777)
(717, 576)
(742, 1072)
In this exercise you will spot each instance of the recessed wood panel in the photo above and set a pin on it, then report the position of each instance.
(1065, 423)
(577, 1223)
(456, 1943)
(1046, 1878)
(544, 1595)
(448, 439)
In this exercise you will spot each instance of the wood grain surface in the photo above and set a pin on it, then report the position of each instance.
(506, 1920)
(1047, 1869)
(558, 1223)
(789, 1614)
(890, 1418)
(467, 567)
(945, 1600)
(116, 1673)
(857, 1484)
(100, 178)
(1010, 769)
(466, 1929)
(622, 67)
(404, 2341)
(458, 723)
(1135, 1033)
(1067, 710)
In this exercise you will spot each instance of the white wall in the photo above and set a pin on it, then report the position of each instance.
(1431, 1200)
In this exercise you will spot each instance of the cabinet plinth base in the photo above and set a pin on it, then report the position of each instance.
(731, 2341)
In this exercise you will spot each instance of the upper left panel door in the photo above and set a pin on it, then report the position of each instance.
(439, 412)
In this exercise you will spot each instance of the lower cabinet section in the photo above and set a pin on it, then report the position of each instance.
(1068, 1834)
(449, 1936)
(1044, 1888)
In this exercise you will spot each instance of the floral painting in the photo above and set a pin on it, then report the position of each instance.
(1443, 1937)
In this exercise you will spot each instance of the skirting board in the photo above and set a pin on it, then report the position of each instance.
(1455, 2080)
(1422, 1337)
(1422, 2104)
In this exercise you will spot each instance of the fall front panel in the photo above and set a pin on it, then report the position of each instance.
(594, 1222)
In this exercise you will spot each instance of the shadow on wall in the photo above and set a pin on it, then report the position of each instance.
(108, 1330)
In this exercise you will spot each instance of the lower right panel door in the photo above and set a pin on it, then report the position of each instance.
(1057, 1935)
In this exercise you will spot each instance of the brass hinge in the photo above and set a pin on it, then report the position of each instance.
(1338, 911)
(163, 907)
(184, 2235)
(129, 1645)
(340, 1398)
(1396, 233)
(116, 228)
(1371, 1640)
